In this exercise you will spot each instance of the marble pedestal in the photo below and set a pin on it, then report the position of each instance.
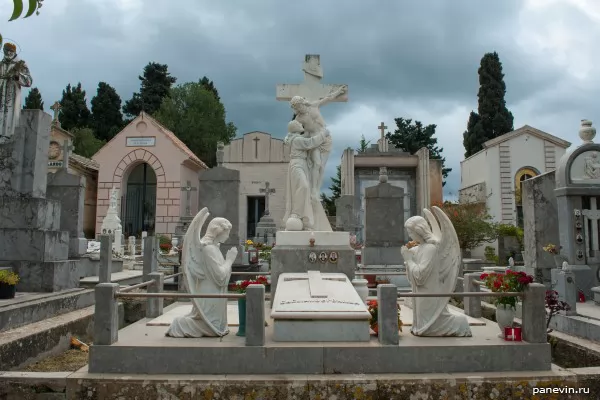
(331, 252)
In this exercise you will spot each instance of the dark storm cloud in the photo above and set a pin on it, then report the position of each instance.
(400, 58)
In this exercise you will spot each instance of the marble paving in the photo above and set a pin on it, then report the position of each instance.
(406, 315)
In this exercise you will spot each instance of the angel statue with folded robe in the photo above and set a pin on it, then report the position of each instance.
(432, 267)
(205, 271)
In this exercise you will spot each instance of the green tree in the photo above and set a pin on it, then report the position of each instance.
(492, 118)
(74, 112)
(34, 101)
(197, 118)
(85, 143)
(156, 84)
(363, 145)
(18, 6)
(209, 85)
(336, 191)
(107, 119)
(411, 136)
(472, 222)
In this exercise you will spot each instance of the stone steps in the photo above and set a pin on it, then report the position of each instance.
(27, 344)
(28, 308)
(123, 278)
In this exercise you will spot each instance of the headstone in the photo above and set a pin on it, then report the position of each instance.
(69, 190)
(219, 191)
(577, 192)
(143, 241)
(540, 225)
(31, 239)
(111, 224)
(318, 307)
(347, 214)
(384, 226)
(131, 245)
(266, 227)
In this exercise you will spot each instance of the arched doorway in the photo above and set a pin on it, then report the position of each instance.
(139, 201)
(522, 175)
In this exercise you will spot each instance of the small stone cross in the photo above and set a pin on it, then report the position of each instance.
(188, 188)
(256, 140)
(220, 153)
(66, 149)
(56, 107)
(267, 191)
(383, 147)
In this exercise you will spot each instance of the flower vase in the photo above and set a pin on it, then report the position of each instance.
(241, 317)
(505, 316)
(7, 291)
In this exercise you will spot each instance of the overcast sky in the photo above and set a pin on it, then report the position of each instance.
(410, 59)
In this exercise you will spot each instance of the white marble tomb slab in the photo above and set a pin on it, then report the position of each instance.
(316, 295)
(167, 318)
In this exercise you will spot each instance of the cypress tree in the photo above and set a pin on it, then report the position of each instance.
(492, 118)
(34, 101)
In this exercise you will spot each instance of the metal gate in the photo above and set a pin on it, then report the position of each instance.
(138, 208)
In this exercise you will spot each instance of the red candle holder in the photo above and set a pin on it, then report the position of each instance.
(512, 334)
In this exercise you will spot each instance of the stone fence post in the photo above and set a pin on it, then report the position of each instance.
(472, 305)
(150, 257)
(106, 314)
(255, 315)
(387, 314)
(105, 269)
(154, 305)
(567, 290)
(534, 313)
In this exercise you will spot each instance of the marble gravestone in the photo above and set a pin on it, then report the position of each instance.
(69, 190)
(219, 191)
(577, 197)
(318, 307)
(31, 240)
(384, 226)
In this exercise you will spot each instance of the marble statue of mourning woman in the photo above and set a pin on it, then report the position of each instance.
(205, 271)
(432, 267)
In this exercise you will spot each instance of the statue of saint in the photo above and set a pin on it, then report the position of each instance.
(14, 75)
(302, 211)
(432, 267)
(309, 115)
(205, 271)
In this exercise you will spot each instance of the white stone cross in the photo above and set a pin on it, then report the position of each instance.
(311, 89)
(56, 107)
(188, 189)
(66, 149)
(267, 191)
(383, 143)
(593, 214)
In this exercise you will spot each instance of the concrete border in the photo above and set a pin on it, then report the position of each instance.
(82, 385)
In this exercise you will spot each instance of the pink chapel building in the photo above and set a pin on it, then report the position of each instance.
(155, 173)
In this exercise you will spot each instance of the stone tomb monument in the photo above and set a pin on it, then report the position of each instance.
(31, 239)
(316, 307)
(384, 226)
(578, 199)
(219, 191)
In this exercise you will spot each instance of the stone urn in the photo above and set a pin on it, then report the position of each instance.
(587, 132)
(505, 316)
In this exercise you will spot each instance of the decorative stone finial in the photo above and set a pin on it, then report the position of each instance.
(220, 153)
(587, 132)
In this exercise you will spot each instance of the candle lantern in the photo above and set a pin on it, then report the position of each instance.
(252, 255)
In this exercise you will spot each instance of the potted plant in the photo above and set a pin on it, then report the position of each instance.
(240, 287)
(506, 307)
(8, 284)
(373, 310)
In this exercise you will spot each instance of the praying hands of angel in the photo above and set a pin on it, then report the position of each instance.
(432, 267)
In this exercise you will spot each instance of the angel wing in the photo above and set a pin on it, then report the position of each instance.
(435, 227)
(191, 242)
(449, 251)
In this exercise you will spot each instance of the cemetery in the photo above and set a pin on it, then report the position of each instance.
(212, 312)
